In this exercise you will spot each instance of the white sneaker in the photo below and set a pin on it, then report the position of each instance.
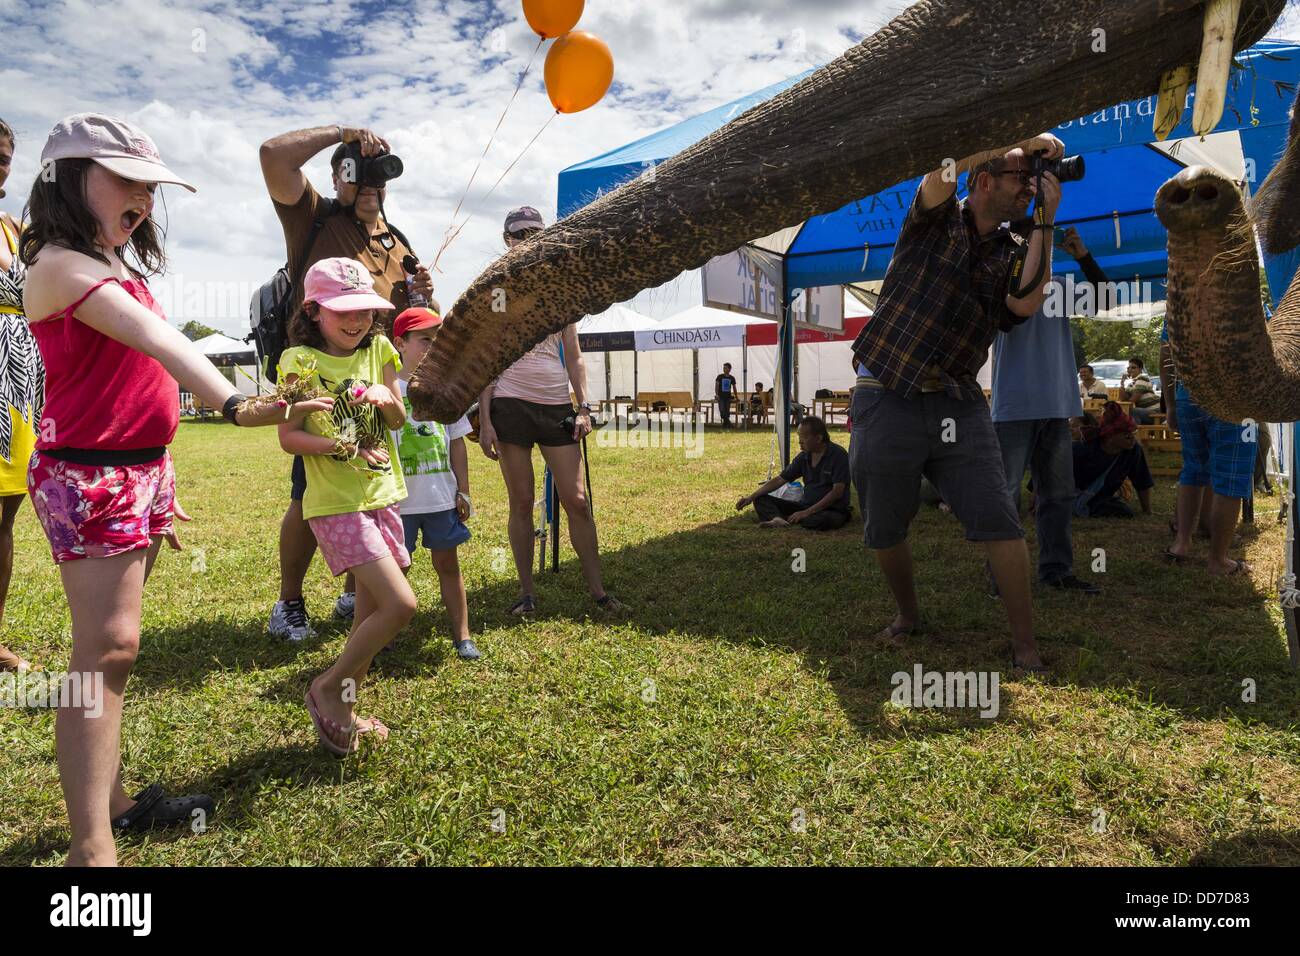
(289, 620)
(346, 605)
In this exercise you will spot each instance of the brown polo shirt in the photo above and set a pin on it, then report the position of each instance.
(345, 236)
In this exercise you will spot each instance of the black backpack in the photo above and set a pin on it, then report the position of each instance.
(269, 310)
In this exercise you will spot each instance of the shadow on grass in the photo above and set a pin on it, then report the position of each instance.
(1254, 848)
(1159, 633)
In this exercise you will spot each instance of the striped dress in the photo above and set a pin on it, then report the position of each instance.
(22, 376)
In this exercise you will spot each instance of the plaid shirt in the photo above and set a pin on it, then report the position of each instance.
(942, 302)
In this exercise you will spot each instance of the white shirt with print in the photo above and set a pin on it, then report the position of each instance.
(424, 450)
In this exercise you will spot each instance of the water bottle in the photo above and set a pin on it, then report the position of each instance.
(410, 265)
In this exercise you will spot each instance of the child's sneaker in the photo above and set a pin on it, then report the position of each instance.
(346, 605)
(466, 650)
(289, 620)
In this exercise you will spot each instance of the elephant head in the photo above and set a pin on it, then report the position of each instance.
(944, 79)
(1235, 363)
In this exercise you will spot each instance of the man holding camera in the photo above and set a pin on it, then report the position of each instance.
(351, 225)
(958, 276)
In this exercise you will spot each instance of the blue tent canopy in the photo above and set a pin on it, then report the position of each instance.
(1111, 208)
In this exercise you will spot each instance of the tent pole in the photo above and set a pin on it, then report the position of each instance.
(695, 375)
(608, 388)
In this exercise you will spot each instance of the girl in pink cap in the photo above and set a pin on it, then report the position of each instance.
(101, 479)
(353, 486)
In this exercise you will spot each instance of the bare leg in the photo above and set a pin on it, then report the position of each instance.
(9, 506)
(393, 607)
(1010, 562)
(1205, 526)
(104, 595)
(452, 586)
(297, 547)
(1223, 524)
(896, 564)
(1187, 507)
(565, 462)
(517, 469)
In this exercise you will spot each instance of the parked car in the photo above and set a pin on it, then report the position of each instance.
(1110, 371)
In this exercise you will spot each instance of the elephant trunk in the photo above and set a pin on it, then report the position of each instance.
(1234, 363)
(945, 79)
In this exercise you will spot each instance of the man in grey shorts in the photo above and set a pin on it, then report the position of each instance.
(918, 408)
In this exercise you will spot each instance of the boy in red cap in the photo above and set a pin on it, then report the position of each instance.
(436, 466)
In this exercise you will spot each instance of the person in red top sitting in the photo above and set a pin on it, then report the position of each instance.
(101, 479)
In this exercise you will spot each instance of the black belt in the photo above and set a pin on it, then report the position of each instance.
(103, 457)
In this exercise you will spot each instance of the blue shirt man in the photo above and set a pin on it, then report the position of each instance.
(1034, 397)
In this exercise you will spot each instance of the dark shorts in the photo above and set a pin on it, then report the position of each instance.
(441, 530)
(519, 422)
(297, 479)
(951, 442)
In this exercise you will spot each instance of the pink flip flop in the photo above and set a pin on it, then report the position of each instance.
(325, 727)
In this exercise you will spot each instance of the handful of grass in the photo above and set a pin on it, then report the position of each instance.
(302, 389)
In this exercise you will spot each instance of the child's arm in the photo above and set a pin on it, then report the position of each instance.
(296, 440)
(460, 468)
(386, 398)
(114, 312)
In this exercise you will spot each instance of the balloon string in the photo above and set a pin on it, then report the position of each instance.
(451, 235)
(448, 236)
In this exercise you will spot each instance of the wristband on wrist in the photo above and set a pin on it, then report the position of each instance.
(232, 403)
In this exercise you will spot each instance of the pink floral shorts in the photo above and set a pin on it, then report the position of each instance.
(89, 511)
(360, 537)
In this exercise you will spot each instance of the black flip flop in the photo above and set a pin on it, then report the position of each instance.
(1172, 558)
(525, 605)
(154, 808)
(1035, 669)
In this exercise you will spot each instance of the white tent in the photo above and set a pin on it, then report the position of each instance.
(223, 350)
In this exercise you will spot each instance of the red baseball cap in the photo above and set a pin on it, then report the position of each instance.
(415, 318)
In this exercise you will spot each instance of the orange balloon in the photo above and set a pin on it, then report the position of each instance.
(579, 70)
(553, 18)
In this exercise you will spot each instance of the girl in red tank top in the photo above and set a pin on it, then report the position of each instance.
(101, 480)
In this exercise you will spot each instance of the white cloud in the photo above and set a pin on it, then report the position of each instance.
(431, 77)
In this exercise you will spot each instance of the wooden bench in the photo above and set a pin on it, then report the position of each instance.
(838, 404)
(670, 402)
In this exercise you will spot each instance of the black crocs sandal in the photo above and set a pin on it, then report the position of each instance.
(154, 808)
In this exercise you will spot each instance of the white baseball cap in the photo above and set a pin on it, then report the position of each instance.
(115, 144)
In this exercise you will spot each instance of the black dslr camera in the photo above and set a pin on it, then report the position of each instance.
(1067, 169)
(372, 171)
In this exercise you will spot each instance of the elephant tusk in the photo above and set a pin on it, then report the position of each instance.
(1216, 61)
(1171, 101)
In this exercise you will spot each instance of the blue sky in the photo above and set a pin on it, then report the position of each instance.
(209, 81)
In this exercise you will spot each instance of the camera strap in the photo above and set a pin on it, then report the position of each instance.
(1017, 287)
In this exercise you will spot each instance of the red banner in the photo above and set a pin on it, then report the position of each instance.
(765, 334)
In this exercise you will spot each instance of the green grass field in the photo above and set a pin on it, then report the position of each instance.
(739, 699)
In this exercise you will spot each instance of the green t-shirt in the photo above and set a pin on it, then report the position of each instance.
(338, 487)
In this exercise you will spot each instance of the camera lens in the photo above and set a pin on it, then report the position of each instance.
(390, 167)
(1070, 169)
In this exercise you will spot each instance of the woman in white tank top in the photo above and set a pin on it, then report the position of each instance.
(532, 403)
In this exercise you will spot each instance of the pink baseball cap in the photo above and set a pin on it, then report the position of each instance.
(118, 146)
(343, 285)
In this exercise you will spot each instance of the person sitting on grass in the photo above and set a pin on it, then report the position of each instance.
(436, 467)
(824, 468)
(1107, 456)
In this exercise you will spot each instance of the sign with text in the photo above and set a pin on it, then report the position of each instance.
(742, 281)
